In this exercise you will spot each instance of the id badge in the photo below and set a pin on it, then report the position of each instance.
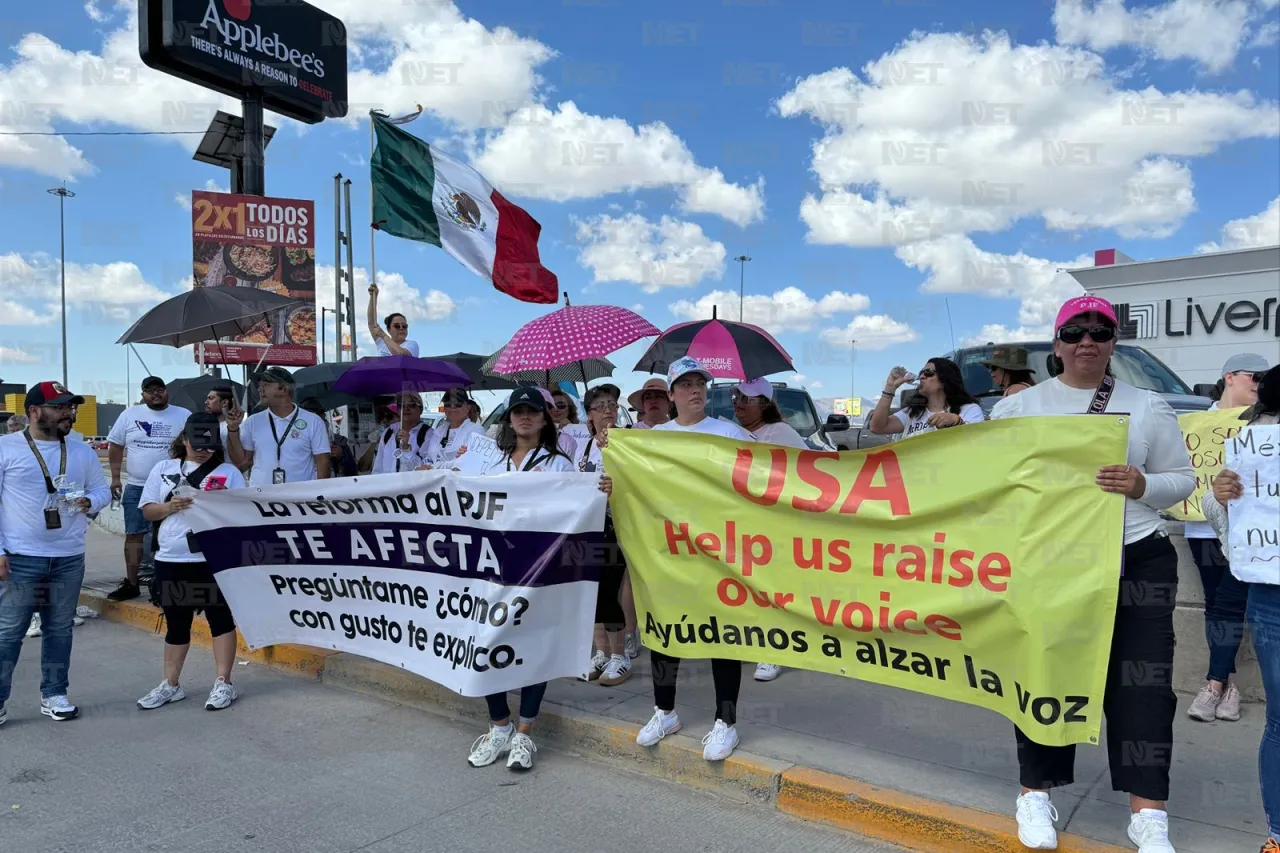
(277, 476)
(52, 519)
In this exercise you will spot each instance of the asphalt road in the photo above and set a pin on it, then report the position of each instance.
(297, 766)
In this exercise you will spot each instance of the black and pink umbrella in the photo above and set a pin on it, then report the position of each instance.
(726, 349)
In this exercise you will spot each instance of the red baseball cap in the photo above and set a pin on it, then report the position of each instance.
(51, 394)
(1078, 305)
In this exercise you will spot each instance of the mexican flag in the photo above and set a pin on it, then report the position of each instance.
(421, 193)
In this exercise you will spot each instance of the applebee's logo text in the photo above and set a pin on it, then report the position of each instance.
(251, 38)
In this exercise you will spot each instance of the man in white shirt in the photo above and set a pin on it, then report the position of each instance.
(144, 435)
(282, 444)
(47, 487)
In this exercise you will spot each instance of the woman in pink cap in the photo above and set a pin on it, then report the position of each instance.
(1157, 474)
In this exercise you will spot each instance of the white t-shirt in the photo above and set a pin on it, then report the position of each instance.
(568, 444)
(23, 496)
(970, 413)
(483, 456)
(444, 441)
(589, 458)
(299, 445)
(411, 346)
(1156, 446)
(578, 432)
(781, 433)
(710, 426)
(1201, 529)
(384, 458)
(147, 437)
(165, 477)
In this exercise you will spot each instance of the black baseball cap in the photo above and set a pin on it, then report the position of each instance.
(202, 430)
(153, 380)
(275, 373)
(457, 395)
(530, 397)
(51, 394)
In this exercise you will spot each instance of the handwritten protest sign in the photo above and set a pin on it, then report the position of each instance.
(1254, 519)
(1205, 434)
(978, 564)
(463, 580)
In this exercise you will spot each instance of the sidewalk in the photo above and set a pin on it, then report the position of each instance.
(933, 749)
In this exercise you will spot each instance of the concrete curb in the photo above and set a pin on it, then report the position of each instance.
(860, 807)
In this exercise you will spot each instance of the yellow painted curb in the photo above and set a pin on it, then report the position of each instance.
(908, 820)
(299, 660)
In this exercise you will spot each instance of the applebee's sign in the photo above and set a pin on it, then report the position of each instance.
(294, 54)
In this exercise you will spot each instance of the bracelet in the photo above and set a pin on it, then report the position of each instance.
(888, 394)
(233, 431)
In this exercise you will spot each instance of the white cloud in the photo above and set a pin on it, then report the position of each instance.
(871, 331)
(184, 199)
(787, 310)
(667, 253)
(997, 333)
(950, 134)
(1262, 229)
(1210, 32)
(31, 285)
(815, 384)
(12, 355)
(564, 154)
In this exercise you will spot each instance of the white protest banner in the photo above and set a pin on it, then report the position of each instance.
(1254, 519)
(481, 584)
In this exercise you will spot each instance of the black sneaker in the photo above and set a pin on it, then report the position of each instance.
(125, 592)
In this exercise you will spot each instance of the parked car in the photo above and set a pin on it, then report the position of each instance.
(1131, 364)
(796, 405)
(854, 434)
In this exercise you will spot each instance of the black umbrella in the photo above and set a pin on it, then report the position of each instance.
(473, 365)
(727, 350)
(575, 371)
(206, 314)
(317, 382)
(190, 393)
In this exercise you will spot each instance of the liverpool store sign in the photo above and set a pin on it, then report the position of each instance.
(293, 52)
(1193, 318)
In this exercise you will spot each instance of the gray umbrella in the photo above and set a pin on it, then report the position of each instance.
(205, 314)
(577, 371)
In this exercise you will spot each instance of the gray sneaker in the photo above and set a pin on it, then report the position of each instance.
(221, 696)
(1229, 707)
(1206, 704)
(162, 695)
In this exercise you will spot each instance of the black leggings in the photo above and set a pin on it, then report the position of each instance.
(1138, 703)
(609, 592)
(726, 674)
(185, 590)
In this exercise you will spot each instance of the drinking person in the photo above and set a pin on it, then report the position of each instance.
(946, 402)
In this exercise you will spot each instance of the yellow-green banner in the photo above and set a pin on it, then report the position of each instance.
(978, 564)
(1206, 435)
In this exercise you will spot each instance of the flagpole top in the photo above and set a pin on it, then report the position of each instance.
(566, 298)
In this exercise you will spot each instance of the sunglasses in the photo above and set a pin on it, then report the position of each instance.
(155, 389)
(399, 325)
(562, 406)
(1256, 377)
(654, 395)
(1074, 334)
(65, 407)
(744, 399)
(455, 404)
(926, 373)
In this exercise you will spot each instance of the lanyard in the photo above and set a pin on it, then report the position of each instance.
(1102, 396)
(585, 465)
(271, 419)
(533, 459)
(44, 469)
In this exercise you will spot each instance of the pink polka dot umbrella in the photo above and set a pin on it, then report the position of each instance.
(573, 333)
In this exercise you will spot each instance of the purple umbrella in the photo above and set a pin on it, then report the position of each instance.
(374, 376)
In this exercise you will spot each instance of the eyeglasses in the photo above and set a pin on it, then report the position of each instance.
(64, 407)
(1074, 334)
(155, 389)
(1256, 377)
(927, 372)
(604, 407)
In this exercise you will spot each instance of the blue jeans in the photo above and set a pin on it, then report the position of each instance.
(1264, 621)
(1224, 601)
(530, 703)
(51, 587)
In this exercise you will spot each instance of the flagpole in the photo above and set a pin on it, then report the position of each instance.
(373, 263)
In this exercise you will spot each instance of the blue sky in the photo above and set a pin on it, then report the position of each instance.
(655, 142)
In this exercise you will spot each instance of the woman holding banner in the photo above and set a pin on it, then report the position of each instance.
(528, 443)
(187, 586)
(689, 394)
(449, 435)
(610, 665)
(1157, 474)
(1263, 613)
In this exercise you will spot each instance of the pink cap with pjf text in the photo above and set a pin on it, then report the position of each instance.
(1084, 305)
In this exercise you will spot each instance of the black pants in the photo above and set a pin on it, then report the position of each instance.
(185, 590)
(727, 675)
(609, 592)
(1138, 703)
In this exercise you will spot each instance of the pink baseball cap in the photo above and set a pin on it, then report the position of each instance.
(546, 395)
(1078, 305)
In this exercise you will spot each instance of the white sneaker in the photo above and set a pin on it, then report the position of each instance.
(599, 660)
(58, 709)
(618, 671)
(631, 642)
(659, 726)
(1149, 829)
(490, 745)
(719, 742)
(221, 696)
(33, 630)
(4, 715)
(1035, 821)
(522, 750)
(767, 671)
(162, 695)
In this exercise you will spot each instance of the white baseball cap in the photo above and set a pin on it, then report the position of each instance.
(757, 388)
(683, 366)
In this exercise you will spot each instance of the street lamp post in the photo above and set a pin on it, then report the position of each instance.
(324, 314)
(853, 370)
(63, 194)
(742, 266)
